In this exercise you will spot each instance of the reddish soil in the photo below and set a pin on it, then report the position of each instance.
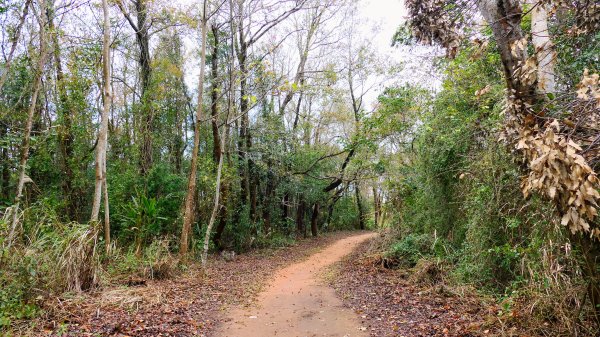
(188, 304)
(297, 303)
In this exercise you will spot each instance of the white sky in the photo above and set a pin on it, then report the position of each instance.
(385, 16)
(382, 18)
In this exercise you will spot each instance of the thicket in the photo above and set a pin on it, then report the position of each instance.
(292, 145)
(456, 199)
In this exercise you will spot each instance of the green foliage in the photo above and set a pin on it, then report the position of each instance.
(460, 185)
(413, 247)
(13, 305)
(275, 240)
(155, 261)
(345, 215)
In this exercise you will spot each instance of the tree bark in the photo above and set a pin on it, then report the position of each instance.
(361, 212)
(65, 133)
(142, 35)
(216, 205)
(300, 226)
(5, 169)
(214, 108)
(314, 220)
(188, 216)
(376, 205)
(504, 17)
(544, 48)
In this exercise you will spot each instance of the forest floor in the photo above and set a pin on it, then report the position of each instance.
(189, 304)
(326, 286)
(409, 302)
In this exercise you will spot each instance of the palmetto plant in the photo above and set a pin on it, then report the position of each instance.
(141, 219)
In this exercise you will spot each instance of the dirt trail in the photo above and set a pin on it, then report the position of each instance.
(297, 303)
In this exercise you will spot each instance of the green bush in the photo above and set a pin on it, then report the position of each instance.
(155, 261)
(413, 247)
(275, 240)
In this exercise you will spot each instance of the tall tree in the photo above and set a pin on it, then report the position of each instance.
(101, 184)
(188, 216)
(15, 41)
(146, 121)
(247, 37)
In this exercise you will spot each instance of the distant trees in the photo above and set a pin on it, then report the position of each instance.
(113, 123)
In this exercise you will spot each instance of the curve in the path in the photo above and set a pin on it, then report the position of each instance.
(297, 303)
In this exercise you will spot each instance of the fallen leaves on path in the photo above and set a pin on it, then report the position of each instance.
(187, 305)
(391, 304)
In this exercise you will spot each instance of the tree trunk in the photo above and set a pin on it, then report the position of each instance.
(103, 132)
(217, 238)
(142, 36)
(65, 133)
(5, 169)
(37, 84)
(300, 226)
(545, 54)
(216, 206)
(188, 216)
(147, 121)
(504, 17)
(107, 241)
(376, 205)
(214, 109)
(285, 207)
(361, 212)
(242, 148)
(268, 197)
(313, 220)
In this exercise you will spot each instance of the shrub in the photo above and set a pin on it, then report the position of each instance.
(154, 262)
(409, 250)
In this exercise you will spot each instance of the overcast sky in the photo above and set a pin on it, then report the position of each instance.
(385, 16)
(382, 19)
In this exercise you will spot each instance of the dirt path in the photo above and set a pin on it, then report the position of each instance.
(297, 303)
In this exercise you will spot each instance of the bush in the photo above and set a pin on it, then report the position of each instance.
(275, 240)
(412, 248)
(154, 262)
(55, 258)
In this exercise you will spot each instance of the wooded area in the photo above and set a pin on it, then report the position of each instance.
(138, 137)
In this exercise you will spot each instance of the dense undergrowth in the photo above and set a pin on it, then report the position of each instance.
(458, 204)
(56, 259)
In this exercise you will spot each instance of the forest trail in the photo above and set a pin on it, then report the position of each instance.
(297, 303)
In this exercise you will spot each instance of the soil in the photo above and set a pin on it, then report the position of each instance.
(297, 303)
(188, 304)
(280, 292)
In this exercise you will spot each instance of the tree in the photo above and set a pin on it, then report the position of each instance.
(541, 142)
(188, 215)
(142, 35)
(101, 182)
(15, 41)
